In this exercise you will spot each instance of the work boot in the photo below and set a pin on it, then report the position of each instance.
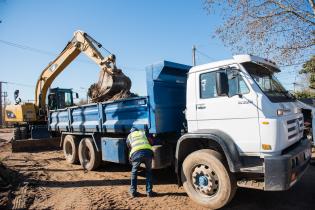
(151, 194)
(133, 194)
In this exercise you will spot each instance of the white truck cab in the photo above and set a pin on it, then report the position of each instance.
(240, 115)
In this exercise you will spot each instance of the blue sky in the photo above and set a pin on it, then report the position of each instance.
(138, 32)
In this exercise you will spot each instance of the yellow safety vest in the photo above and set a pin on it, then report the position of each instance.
(138, 141)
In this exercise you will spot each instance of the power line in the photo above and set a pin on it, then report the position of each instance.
(21, 84)
(36, 50)
(204, 54)
(24, 47)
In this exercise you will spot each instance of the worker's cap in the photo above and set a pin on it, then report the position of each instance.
(133, 128)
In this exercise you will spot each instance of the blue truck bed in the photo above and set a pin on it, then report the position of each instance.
(161, 111)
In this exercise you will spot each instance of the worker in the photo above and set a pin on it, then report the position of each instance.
(140, 152)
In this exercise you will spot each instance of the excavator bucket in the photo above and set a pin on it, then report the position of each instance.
(110, 87)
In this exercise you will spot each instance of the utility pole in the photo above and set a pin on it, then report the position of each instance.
(1, 121)
(194, 55)
(5, 95)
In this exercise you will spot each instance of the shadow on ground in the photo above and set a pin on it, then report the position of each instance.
(300, 196)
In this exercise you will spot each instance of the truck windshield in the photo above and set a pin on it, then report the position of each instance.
(268, 83)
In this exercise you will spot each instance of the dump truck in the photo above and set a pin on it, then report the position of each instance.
(30, 119)
(222, 125)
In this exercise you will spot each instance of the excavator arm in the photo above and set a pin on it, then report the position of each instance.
(111, 82)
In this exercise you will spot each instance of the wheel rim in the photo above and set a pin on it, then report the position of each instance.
(69, 149)
(205, 180)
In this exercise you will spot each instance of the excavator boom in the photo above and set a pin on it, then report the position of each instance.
(112, 81)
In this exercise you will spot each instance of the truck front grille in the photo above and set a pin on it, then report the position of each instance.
(295, 128)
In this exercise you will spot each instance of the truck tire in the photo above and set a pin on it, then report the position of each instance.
(89, 158)
(70, 149)
(23, 133)
(206, 179)
(16, 134)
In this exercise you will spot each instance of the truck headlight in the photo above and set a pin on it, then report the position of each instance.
(281, 112)
(298, 110)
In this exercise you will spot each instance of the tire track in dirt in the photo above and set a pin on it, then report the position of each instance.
(62, 186)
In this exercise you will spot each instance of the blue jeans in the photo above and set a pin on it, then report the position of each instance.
(148, 173)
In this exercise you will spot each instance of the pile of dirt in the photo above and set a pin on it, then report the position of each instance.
(98, 96)
(15, 191)
(111, 87)
(5, 186)
(122, 95)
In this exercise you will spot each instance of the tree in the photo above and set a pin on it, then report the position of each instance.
(304, 94)
(279, 29)
(309, 68)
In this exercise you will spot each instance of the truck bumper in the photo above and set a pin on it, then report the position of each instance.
(282, 172)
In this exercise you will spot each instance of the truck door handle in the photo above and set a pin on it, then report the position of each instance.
(201, 106)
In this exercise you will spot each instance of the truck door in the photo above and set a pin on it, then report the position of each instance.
(235, 114)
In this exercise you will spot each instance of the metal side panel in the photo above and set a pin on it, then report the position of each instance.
(85, 118)
(114, 150)
(120, 116)
(166, 87)
(59, 120)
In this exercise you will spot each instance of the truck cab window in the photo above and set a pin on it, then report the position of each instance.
(237, 85)
(268, 83)
(208, 85)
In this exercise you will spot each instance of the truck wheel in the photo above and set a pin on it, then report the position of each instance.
(206, 180)
(90, 159)
(70, 149)
(23, 132)
(16, 134)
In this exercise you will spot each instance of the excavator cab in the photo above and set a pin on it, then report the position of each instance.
(60, 98)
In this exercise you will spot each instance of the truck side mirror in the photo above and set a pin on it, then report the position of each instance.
(222, 84)
(76, 95)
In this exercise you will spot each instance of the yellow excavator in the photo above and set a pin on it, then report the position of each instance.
(30, 119)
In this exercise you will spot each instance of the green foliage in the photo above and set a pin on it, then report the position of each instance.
(309, 68)
(304, 94)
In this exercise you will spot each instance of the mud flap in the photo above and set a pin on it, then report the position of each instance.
(30, 145)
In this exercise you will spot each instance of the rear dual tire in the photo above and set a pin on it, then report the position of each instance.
(70, 149)
(84, 152)
(89, 157)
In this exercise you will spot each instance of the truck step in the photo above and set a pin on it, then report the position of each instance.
(253, 184)
(255, 169)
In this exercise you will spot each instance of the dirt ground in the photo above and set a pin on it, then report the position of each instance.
(43, 180)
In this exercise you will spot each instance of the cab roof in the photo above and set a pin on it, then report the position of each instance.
(238, 59)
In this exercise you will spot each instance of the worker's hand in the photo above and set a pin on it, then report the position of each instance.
(151, 140)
